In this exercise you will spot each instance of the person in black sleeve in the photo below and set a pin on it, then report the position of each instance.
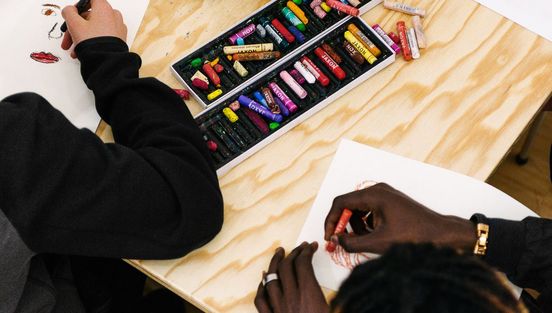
(72, 206)
(411, 278)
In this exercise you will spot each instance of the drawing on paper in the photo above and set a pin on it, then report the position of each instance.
(55, 33)
(44, 57)
(50, 9)
(350, 260)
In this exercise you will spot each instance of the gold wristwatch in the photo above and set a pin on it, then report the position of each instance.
(482, 239)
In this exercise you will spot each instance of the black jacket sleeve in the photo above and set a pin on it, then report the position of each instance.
(523, 251)
(153, 195)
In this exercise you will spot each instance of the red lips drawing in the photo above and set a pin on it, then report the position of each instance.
(44, 57)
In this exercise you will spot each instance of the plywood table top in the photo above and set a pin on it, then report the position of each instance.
(461, 106)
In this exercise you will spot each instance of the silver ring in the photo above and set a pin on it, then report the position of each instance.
(270, 278)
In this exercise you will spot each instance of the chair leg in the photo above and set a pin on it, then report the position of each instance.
(523, 157)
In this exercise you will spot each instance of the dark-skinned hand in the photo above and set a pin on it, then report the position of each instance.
(296, 289)
(395, 218)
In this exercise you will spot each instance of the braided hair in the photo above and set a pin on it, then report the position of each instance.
(413, 278)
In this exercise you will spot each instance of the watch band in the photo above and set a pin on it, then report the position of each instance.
(482, 239)
(482, 226)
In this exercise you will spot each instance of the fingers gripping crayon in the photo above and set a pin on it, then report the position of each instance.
(340, 227)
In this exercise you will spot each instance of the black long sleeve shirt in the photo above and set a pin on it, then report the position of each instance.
(523, 251)
(153, 195)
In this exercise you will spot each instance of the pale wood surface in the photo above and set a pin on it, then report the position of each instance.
(461, 106)
(529, 184)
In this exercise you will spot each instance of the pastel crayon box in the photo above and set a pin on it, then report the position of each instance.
(283, 27)
(272, 105)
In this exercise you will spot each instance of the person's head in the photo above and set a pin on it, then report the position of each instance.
(421, 278)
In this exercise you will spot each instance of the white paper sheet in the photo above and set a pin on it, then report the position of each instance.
(25, 30)
(535, 15)
(442, 190)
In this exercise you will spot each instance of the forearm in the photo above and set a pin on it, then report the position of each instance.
(67, 192)
(522, 250)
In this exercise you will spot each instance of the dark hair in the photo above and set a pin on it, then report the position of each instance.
(413, 278)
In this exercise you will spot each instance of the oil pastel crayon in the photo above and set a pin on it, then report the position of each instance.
(240, 69)
(347, 9)
(210, 140)
(288, 103)
(199, 75)
(196, 63)
(298, 77)
(258, 121)
(315, 71)
(261, 31)
(364, 39)
(230, 115)
(272, 105)
(297, 33)
(183, 93)
(200, 84)
(244, 33)
(360, 47)
(325, 7)
(298, 12)
(353, 53)
(332, 52)
(260, 98)
(394, 37)
(218, 68)
(386, 38)
(411, 36)
(211, 145)
(340, 227)
(293, 19)
(274, 34)
(245, 121)
(403, 8)
(258, 108)
(293, 84)
(257, 56)
(288, 36)
(330, 63)
(420, 35)
(260, 47)
(401, 29)
(283, 109)
(304, 72)
(211, 74)
(215, 94)
(315, 6)
(354, 3)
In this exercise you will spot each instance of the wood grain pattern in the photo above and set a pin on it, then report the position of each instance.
(461, 106)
